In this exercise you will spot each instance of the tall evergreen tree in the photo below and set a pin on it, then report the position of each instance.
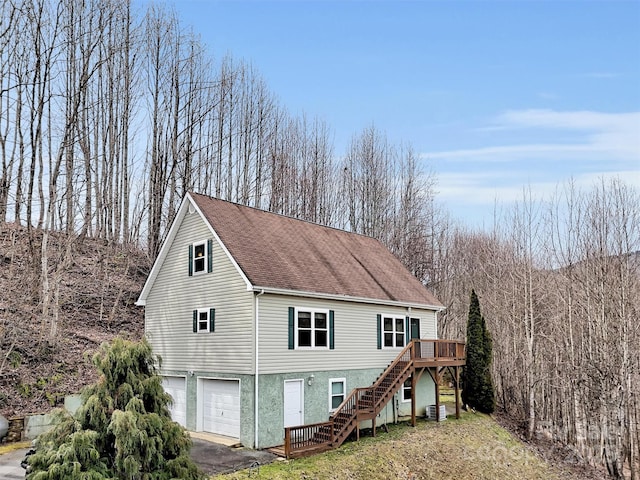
(477, 386)
(123, 428)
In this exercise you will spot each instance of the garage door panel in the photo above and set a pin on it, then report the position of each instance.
(176, 387)
(221, 407)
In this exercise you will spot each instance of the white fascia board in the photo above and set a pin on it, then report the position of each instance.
(184, 207)
(345, 298)
(223, 246)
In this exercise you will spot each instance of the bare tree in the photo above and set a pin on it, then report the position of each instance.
(368, 178)
(560, 284)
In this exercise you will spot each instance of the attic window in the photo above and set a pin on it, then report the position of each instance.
(200, 257)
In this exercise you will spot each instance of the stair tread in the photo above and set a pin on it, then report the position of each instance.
(369, 402)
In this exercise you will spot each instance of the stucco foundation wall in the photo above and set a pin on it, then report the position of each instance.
(246, 400)
(425, 395)
(316, 400)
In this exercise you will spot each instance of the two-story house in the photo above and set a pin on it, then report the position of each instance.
(264, 322)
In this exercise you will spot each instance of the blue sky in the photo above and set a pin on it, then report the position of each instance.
(495, 96)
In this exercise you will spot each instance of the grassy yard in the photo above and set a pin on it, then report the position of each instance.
(9, 447)
(474, 447)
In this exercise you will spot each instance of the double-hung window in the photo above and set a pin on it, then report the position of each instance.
(337, 391)
(310, 328)
(393, 333)
(200, 257)
(204, 320)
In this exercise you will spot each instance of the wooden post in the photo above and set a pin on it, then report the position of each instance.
(457, 389)
(437, 376)
(287, 442)
(413, 398)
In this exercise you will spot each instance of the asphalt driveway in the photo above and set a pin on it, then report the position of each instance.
(212, 458)
(10, 468)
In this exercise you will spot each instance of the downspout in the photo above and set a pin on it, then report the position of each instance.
(257, 364)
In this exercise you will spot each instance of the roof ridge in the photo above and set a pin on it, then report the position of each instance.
(289, 217)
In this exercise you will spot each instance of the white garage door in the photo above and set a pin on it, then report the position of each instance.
(221, 407)
(175, 386)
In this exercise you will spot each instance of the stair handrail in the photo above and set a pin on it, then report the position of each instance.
(386, 371)
(407, 349)
(354, 399)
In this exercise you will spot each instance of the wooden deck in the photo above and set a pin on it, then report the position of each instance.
(432, 356)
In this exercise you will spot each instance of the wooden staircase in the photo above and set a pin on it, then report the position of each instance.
(366, 403)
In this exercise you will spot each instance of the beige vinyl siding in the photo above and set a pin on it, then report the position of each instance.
(428, 325)
(174, 295)
(355, 335)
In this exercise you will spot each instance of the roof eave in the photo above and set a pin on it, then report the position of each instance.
(347, 298)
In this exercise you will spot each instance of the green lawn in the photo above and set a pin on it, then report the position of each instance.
(474, 447)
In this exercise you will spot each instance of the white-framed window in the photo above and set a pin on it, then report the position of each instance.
(199, 257)
(337, 392)
(393, 334)
(204, 320)
(312, 328)
(200, 260)
(406, 391)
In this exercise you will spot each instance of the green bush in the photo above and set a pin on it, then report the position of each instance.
(122, 430)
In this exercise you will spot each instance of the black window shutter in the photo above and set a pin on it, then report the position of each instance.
(195, 321)
(212, 320)
(379, 318)
(190, 260)
(331, 336)
(209, 255)
(407, 333)
(292, 313)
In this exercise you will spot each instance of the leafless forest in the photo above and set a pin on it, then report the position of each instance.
(110, 113)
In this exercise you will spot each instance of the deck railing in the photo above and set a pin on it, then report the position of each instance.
(366, 402)
(438, 350)
(315, 437)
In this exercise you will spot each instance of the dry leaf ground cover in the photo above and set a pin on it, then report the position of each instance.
(474, 447)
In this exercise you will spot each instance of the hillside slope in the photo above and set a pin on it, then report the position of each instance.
(474, 447)
(94, 285)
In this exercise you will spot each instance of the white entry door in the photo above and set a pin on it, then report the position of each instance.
(175, 386)
(221, 407)
(293, 403)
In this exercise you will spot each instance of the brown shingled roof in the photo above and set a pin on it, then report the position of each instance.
(275, 251)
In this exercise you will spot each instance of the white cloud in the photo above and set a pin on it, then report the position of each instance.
(577, 120)
(509, 153)
(600, 137)
(487, 189)
(548, 96)
(601, 75)
(552, 148)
